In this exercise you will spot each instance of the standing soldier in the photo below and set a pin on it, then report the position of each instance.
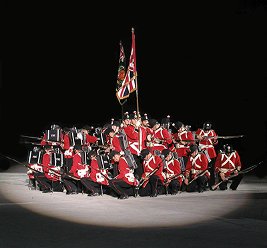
(88, 139)
(131, 128)
(159, 137)
(182, 139)
(207, 138)
(113, 140)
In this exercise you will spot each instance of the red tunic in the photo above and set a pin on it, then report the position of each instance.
(152, 163)
(68, 150)
(78, 169)
(125, 173)
(115, 143)
(96, 174)
(208, 143)
(173, 168)
(162, 139)
(197, 164)
(186, 136)
(228, 163)
(133, 139)
(46, 167)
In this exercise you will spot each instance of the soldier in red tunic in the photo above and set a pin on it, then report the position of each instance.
(97, 179)
(207, 140)
(153, 177)
(182, 139)
(196, 170)
(228, 163)
(158, 137)
(124, 183)
(50, 179)
(173, 173)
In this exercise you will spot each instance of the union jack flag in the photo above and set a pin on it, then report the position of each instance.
(129, 83)
(122, 67)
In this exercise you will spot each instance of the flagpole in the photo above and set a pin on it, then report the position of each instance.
(136, 91)
(137, 101)
(122, 112)
(135, 75)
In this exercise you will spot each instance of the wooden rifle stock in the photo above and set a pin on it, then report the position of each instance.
(198, 175)
(168, 180)
(100, 146)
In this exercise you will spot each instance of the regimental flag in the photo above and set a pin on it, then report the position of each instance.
(122, 68)
(129, 83)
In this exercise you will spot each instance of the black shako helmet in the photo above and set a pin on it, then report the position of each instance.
(152, 122)
(178, 125)
(165, 152)
(192, 148)
(144, 153)
(207, 126)
(228, 149)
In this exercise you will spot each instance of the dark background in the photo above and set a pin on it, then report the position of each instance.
(195, 62)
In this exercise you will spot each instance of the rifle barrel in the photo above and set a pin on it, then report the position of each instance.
(30, 137)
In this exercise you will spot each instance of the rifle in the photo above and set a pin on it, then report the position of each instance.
(100, 146)
(16, 161)
(57, 173)
(173, 177)
(215, 186)
(223, 137)
(30, 137)
(146, 178)
(216, 137)
(198, 175)
(31, 143)
(53, 171)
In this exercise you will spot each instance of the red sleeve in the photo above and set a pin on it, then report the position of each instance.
(217, 164)
(66, 142)
(122, 167)
(75, 164)
(159, 163)
(188, 166)
(238, 161)
(167, 136)
(91, 139)
(46, 162)
(177, 167)
(116, 144)
(131, 132)
(43, 141)
(198, 131)
(205, 161)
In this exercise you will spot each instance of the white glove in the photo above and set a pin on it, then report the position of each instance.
(138, 123)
